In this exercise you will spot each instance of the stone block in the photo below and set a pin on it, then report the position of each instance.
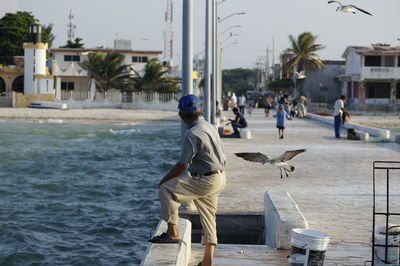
(170, 254)
(281, 216)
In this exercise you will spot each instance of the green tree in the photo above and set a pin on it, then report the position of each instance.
(239, 80)
(155, 79)
(47, 35)
(302, 53)
(14, 31)
(108, 71)
(76, 43)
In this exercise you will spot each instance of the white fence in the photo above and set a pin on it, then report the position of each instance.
(134, 100)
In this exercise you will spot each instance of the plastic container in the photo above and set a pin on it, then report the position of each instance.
(308, 247)
(245, 133)
(393, 249)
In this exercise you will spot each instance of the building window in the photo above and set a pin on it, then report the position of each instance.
(72, 58)
(67, 86)
(398, 61)
(378, 90)
(372, 60)
(389, 61)
(139, 59)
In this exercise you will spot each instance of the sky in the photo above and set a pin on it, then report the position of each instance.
(267, 25)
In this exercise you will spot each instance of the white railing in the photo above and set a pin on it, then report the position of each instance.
(381, 73)
(116, 96)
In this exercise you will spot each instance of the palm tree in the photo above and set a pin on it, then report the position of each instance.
(302, 54)
(108, 72)
(74, 44)
(154, 79)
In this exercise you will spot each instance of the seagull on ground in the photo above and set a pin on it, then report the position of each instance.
(348, 8)
(301, 74)
(281, 162)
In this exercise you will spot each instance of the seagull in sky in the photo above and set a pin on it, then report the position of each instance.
(301, 74)
(348, 8)
(281, 162)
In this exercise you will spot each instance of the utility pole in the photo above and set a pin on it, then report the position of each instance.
(187, 47)
(215, 54)
(187, 51)
(208, 65)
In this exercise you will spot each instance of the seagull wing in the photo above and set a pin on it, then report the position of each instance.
(256, 157)
(362, 10)
(288, 155)
(333, 1)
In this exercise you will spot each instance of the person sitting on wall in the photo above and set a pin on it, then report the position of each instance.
(238, 122)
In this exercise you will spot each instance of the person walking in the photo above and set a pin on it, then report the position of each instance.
(280, 120)
(198, 176)
(241, 103)
(337, 113)
(238, 122)
(268, 105)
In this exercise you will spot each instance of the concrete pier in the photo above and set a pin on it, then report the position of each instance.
(331, 186)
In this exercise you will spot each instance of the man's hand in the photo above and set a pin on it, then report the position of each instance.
(176, 171)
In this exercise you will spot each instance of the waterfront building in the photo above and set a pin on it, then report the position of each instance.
(372, 76)
(322, 85)
(70, 76)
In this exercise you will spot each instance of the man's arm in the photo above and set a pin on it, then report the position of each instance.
(176, 171)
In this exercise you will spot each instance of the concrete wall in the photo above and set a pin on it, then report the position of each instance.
(322, 85)
(23, 100)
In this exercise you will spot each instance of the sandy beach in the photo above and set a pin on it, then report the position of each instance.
(119, 115)
(89, 115)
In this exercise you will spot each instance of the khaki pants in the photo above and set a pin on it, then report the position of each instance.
(203, 190)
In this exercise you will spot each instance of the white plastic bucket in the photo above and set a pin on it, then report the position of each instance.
(245, 133)
(308, 247)
(393, 249)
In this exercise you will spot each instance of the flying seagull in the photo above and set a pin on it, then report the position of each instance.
(301, 74)
(281, 162)
(348, 8)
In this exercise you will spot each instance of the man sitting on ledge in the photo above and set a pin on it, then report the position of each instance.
(203, 157)
(238, 122)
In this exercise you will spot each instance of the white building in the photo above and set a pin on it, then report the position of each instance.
(70, 76)
(372, 75)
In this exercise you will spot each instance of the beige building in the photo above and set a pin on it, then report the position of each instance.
(372, 75)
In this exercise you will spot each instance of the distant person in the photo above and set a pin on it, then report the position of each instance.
(302, 106)
(198, 175)
(338, 113)
(250, 104)
(268, 105)
(233, 100)
(241, 103)
(280, 120)
(238, 122)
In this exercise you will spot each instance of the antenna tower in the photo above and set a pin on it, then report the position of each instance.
(168, 33)
(71, 26)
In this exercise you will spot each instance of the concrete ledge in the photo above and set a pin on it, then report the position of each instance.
(281, 216)
(362, 135)
(397, 138)
(170, 254)
(376, 132)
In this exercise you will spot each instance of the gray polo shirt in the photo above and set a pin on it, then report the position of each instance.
(202, 148)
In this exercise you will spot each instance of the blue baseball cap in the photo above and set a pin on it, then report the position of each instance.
(189, 102)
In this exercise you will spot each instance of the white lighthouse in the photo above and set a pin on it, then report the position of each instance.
(37, 79)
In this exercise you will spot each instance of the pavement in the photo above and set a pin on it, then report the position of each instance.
(332, 183)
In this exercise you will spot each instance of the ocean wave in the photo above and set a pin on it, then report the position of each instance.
(125, 132)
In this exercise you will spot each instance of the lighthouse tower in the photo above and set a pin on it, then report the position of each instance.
(37, 79)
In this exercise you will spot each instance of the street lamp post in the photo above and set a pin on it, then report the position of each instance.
(207, 70)
(187, 52)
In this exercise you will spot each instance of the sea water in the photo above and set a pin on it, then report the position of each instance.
(80, 194)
